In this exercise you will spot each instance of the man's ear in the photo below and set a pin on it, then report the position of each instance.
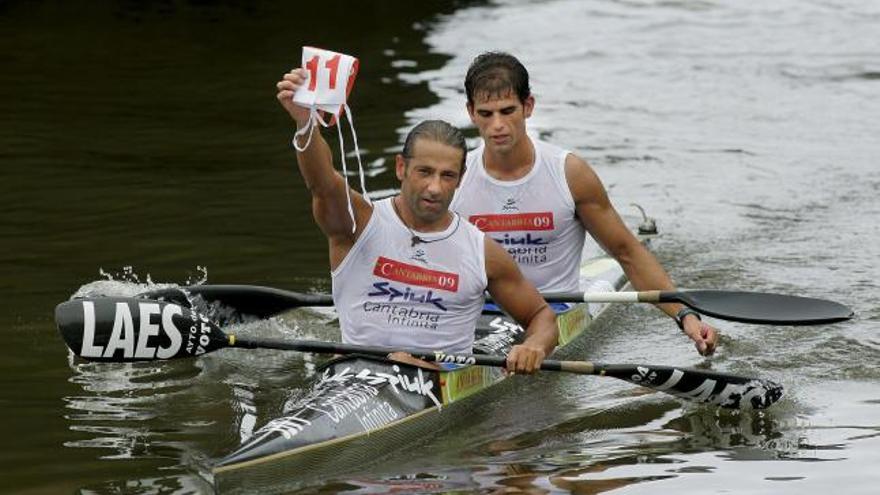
(529, 106)
(400, 166)
(470, 111)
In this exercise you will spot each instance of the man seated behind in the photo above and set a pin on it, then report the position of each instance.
(412, 274)
(540, 199)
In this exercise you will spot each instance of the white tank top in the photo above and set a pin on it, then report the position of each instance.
(428, 296)
(533, 217)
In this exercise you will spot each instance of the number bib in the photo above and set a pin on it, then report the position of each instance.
(330, 80)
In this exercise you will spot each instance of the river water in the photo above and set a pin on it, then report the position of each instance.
(142, 145)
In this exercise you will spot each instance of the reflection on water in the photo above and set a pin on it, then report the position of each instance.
(139, 411)
(663, 444)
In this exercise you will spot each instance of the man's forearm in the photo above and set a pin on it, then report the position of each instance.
(316, 164)
(646, 273)
(542, 331)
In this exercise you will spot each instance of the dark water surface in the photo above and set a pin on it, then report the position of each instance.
(142, 144)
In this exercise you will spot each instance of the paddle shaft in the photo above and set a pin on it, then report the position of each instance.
(577, 367)
(722, 389)
(276, 300)
(741, 306)
(314, 346)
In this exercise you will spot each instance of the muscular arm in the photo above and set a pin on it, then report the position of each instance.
(326, 185)
(601, 220)
(521, 300)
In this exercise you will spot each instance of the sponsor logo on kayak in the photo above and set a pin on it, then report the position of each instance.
(467, 380)
(343, 402)
(464, 382)
(378, 417)
(442, 357)
(156, 326)
(350, 391)
(399, 271)
(504, 333)
(572, 323)
(501, 325)
(514, 222)
(400, 381)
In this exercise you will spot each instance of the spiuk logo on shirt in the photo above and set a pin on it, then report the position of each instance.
(399, 271)
(513, 221)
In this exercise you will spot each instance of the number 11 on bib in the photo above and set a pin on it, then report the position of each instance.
(329, 81)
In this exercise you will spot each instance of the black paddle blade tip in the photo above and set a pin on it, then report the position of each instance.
(755, 394)
(117, 329)
(766, 308)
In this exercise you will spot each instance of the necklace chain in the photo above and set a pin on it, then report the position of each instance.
(415, 239)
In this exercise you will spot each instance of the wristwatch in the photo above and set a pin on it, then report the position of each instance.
(679, 317)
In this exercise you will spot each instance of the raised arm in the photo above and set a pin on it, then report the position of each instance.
(521, 300)
(601, 220)
(326, 185)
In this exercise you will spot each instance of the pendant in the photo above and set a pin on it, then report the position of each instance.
(415, 240)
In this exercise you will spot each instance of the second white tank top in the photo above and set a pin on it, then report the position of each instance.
(533, 217)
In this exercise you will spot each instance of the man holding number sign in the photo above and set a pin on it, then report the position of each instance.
(539, 200)
(406, 271)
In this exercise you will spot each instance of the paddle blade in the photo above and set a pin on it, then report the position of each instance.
(757, 307)
(707, 387)
(129, 329)
(254, 300)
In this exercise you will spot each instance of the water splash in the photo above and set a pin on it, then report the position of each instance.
(128, 283)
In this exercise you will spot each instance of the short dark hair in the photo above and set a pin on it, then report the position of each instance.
(436, 130)
(494, 74)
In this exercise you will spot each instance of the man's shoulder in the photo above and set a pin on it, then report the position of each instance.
(576, 162)
(548, 147)
(583, 182)
(554, 156)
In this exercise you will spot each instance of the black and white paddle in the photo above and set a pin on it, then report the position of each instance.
(132, 329)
